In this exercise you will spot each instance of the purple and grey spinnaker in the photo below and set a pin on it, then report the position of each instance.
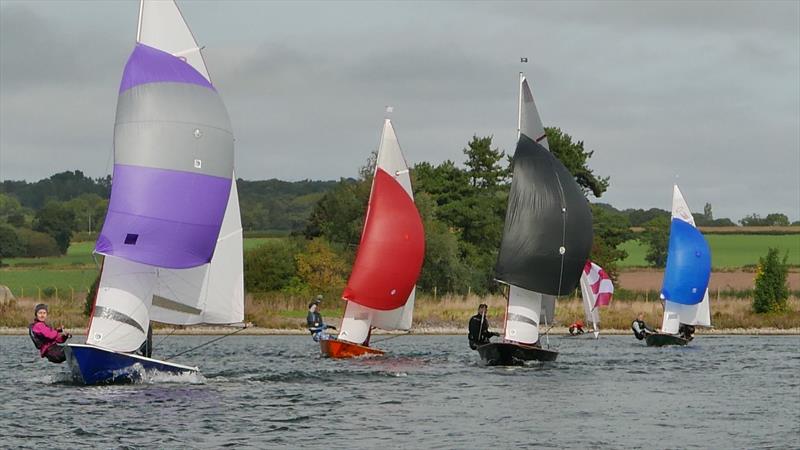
(173, 163)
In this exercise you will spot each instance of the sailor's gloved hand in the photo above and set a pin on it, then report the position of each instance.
(67, 336)
(330, 327)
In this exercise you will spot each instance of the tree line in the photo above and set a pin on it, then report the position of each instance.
(462, 205)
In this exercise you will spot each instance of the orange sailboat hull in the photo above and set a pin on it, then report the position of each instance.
(334, 348)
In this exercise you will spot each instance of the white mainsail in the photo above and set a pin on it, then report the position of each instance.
(591, 312)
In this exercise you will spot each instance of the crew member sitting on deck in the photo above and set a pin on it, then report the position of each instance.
(479, 333)
(640, 329)
(314, 321)
(576, 328)
(45, 338)
(686, 331)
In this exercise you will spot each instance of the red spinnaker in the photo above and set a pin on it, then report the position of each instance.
(392, 247)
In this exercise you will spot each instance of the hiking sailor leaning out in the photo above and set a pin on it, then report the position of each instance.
(640, 329)
(46, 338)
(316, 326)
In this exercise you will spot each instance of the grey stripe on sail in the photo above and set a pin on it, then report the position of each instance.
(174, 126)
(520, 318)
(111, 314)
(172, 305)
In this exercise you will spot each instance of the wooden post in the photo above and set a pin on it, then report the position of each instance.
(434, 293)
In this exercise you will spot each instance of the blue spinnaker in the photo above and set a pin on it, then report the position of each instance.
(688, 265)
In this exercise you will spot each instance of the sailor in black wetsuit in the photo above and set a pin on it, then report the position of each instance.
(686, 331)
(640, 329)
(479, 333)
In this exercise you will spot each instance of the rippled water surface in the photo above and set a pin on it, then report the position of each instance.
(429, 392)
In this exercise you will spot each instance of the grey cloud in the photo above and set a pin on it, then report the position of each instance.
(705, 90)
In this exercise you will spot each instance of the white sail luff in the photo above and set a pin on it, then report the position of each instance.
(162, 26)
(680, 210)
(530, 122)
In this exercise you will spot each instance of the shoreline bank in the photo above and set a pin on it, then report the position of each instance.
(444, 331)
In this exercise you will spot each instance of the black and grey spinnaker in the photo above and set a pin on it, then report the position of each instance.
(548, 229)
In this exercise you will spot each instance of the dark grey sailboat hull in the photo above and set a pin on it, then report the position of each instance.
(513, 354)
(661, 340)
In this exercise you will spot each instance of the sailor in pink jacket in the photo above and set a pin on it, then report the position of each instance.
(45, 338)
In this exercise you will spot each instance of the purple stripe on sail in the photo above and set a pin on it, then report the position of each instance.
(151, 65)
(163, 218)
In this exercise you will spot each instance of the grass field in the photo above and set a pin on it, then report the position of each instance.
(729, 250)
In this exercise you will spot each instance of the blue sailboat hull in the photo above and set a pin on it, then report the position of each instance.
(94, 365)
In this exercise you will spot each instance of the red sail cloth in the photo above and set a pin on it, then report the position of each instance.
(392, 247)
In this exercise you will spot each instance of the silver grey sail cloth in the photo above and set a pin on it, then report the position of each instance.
(546, 213)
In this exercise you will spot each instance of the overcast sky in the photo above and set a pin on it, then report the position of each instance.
(708, 92)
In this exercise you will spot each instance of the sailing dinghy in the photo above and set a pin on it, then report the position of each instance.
(596, 290)
(381, 288)
(685, 285)
(172, 237)
(546, 241)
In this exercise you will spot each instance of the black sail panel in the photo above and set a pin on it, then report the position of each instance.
(546, 212)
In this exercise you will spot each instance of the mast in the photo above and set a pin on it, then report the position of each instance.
(519, 107)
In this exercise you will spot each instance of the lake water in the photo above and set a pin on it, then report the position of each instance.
(431, 392)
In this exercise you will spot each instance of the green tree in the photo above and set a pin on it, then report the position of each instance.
(321, 268)
(270, 266)
(611, 229)
(771, 290)
(483, 164)
(778, 220)
(38, 244)
(656, 237)
(339, 215)
(442, 267)
(774, 219)
(89, 211)
(57, 221)
(707, 213)
(11, 246)
(9, 205)
(576, 159)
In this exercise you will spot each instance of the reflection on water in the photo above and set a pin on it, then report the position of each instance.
(429, 392)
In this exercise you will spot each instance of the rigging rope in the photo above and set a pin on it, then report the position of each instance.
(392, 337)
(205, 343)
(165, 337)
